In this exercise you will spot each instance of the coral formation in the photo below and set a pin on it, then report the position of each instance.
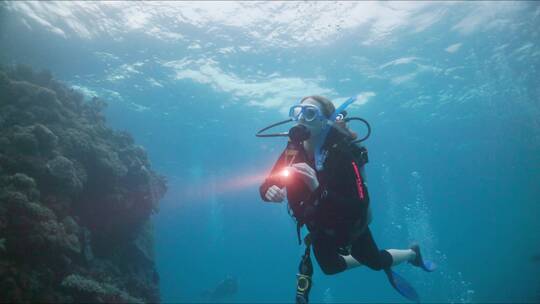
(75, 198)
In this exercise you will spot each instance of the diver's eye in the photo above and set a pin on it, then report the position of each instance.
(296, 112)
(310, 114)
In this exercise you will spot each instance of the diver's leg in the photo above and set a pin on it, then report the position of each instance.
(365, 250)
(326, 252)
(351, 261)
(401, 255)
(418, 261)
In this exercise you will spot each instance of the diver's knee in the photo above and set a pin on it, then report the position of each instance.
(375, 266)
(384, 260)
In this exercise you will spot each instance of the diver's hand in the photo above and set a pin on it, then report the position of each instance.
(307, 174)
(275, 194)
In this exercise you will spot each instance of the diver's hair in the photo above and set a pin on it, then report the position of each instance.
(326, 105)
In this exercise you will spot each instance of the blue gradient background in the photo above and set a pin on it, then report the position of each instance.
(451, 91)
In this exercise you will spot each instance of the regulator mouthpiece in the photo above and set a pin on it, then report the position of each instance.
(299, 133)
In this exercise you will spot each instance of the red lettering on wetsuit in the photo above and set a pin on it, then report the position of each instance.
(358, 181)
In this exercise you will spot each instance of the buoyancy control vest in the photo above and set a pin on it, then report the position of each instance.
(302, 203)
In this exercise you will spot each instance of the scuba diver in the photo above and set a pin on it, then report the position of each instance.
(225, 289)
(321, 173)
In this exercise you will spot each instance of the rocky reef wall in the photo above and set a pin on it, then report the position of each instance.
(75, 198)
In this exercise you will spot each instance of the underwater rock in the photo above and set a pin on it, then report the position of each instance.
(75, 198)
(143, 244)
(46, 138)
(109, 162)
(70, 225)
(65, 171)
(20, 182)
(88, 290)
(75, 142)
(23, 140)
(87, 246)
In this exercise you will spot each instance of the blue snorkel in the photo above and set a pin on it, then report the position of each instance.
(319, 157)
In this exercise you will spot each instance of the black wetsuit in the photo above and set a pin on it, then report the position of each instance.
(336, 212)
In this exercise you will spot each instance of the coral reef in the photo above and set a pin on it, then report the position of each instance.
(75, 198)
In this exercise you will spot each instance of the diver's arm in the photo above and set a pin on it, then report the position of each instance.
(273, 178)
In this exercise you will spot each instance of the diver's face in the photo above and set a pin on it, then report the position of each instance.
(315, 126)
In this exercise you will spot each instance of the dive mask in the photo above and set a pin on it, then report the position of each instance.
(306, 111)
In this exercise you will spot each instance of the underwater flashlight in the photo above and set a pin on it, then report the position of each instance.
(285, 172)
(284, 176)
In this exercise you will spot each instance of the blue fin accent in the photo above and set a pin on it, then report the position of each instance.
(429, 266)
(402, 286)
(426, 265)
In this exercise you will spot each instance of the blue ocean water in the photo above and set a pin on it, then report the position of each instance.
(451, 91)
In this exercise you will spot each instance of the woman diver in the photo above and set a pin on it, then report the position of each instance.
(322, 176)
